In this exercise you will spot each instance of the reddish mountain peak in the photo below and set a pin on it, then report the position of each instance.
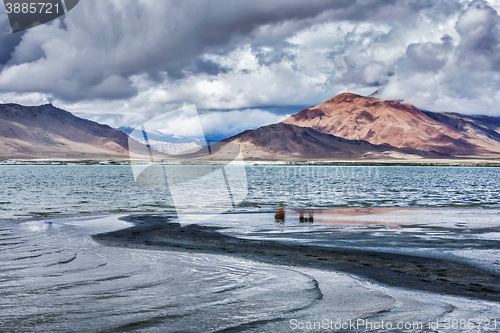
(355, 117)
(359, 101)
(397, 105)
(348, 104)
(345, 98)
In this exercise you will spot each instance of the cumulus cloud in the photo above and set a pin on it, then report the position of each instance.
(112, 40)
(124, 61)
(8, 41)
(479, 30)
(459, 74)
(426, 57)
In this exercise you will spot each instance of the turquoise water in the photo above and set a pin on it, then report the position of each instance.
(42, 191)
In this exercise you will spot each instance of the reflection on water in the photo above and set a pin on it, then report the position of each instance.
(303, 219)
(279, 217)
(468, 235)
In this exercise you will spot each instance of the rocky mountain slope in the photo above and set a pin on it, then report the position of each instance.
(47, 132)
(399, 125)
(347, 126)
(284, 141)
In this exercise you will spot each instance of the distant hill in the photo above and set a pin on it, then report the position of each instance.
(169, 144)
(47, 132)
(483, 128)
(284, 141)
(399, 125)
(347, 126)
(158, 136)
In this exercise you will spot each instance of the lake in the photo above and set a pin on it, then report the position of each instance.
(55, 278)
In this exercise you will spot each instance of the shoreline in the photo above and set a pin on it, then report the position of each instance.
(394, 270)
(479, 163)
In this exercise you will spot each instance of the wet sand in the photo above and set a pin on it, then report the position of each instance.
(395, 270)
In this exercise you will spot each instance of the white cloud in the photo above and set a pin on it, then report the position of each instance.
(123, 62)
(460, 74)
(229, 123)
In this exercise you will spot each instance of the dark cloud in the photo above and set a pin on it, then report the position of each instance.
(268, 57)
(242, 54)
(102, 42)
(479, 29)
(7, 45)
(426, 57)
(209, 67)
(8, 40)
(478, 53)
(394, 10)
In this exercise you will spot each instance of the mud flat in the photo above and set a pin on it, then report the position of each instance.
(395, 270)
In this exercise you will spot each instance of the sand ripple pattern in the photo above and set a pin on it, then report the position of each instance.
(53, 278)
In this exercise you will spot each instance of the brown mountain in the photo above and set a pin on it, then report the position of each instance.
(284, 141)
(356, 117)
(47, 132)
(483, 128)
(346, 126)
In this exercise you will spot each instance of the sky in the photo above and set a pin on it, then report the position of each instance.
(250, 63)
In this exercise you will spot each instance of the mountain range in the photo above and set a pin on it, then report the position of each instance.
(164, 143)
(348, 126)
(47, 132)
(355, 126)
